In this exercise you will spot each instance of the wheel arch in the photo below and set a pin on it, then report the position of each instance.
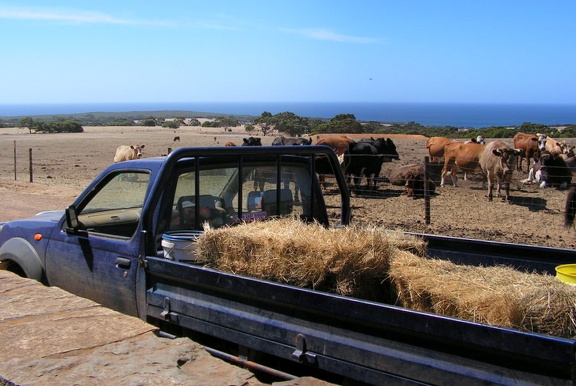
(20, 252)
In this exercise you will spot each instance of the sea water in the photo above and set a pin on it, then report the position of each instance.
(465, 115)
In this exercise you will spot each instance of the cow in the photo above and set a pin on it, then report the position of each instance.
(480, 139)
(550, 170)
(530, 149)
(296, 141)
(284, 141)
(571, 163)
(126, 153)
(435, 146)
(385, 147)
(176, 139)
(411, 176)
(570, 208)
(397, 175)
(257, 175)
(461, 156)
(415, 186)
(550, 144)
(364, 159)
(230, 143)
(497, 163)
(338, 144)
(251, 141)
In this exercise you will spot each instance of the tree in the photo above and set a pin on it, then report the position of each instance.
(265, 121)
(26, 122)
(291, 124)
(171, 124)
(149, 121)
(528, 127)
(341, 123)
(121, 122)
(373, 127)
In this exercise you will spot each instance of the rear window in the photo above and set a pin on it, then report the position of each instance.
(253, 191)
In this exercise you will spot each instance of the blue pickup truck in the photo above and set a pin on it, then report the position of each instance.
(109, 246)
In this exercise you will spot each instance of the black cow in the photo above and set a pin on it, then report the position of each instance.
(257, 175)
(570, 210)
(385, 147)
(550, 170)
(364, 159)
(251, 141)
(283, 141)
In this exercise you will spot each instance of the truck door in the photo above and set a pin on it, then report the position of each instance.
(100, 259)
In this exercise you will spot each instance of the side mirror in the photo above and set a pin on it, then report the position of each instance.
(72, 223)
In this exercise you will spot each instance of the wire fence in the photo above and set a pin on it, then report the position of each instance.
(534, 214)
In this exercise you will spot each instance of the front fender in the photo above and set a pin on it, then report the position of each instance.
(21, 252)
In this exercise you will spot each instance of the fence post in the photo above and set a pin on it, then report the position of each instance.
(426, 192)
(15, 178)
(30, 158)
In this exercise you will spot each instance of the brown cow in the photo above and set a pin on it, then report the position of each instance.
(435, 146)
(550, 144)
(398, 175)
(497, 162)
(126, 153)
(415, 187)
(461, 156)
(338, 144)
(529, 145)
(230, 144)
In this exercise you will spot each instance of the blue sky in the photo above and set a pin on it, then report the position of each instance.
(489, 51)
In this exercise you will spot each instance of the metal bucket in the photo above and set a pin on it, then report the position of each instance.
(181, 246)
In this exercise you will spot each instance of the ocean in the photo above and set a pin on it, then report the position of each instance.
(428, 114)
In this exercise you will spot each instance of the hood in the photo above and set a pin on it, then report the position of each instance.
(43, 222)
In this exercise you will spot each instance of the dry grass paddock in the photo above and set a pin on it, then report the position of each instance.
(377, 264)
(65, 163)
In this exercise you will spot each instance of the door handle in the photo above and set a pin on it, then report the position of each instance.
(123, 262)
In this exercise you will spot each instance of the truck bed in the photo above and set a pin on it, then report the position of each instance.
(366, 341)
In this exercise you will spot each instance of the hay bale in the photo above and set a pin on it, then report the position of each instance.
(351, 261)
(389, 266)
(500, 296)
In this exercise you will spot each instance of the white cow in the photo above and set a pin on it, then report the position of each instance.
(126, 153)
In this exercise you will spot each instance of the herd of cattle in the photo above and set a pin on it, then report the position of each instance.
(548, 162)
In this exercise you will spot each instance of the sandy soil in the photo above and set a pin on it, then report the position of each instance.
(63, 164)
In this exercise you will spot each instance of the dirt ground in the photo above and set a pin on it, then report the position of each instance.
(63, 165)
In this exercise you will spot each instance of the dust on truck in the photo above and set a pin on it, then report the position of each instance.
(114, 245)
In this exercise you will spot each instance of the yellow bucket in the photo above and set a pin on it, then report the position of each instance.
(566, 273)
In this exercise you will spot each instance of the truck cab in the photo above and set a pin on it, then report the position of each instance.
(95, 248)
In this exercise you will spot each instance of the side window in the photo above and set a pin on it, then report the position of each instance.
(115, 209)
